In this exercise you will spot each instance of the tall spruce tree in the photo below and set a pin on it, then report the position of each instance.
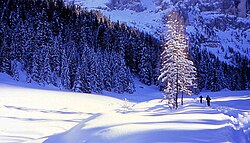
(65, 75)
(177, 71)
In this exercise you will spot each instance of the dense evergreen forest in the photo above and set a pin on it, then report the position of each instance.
(83, 51)
(73, 48)
(215, 75)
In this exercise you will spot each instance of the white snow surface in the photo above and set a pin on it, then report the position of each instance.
(90, 3)
(47, 115)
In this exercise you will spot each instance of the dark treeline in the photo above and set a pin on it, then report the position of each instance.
(215, 75)
(73, 48)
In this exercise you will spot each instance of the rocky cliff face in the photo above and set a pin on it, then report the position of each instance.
(219, 27)
(134, 5)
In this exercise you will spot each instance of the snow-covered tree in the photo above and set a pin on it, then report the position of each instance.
(107, 81)
(177, 71)
(86, 83)
(36, 68)
(65, 77)
(55, 55)
(77, 87)
(145, 65)
(46, 70)
(14, 68)
(95, 78)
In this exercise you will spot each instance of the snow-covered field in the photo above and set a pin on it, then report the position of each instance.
(32, 115)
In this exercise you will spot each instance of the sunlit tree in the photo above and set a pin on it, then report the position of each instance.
(178, 73)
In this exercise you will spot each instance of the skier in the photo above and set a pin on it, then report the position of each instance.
(201, 99)
(208, 100)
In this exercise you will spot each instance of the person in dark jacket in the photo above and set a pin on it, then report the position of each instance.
(200, 99)
(208, 100)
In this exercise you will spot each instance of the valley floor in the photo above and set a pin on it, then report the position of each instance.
(31, 115)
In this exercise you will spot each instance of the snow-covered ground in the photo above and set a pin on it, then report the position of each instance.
(32, 115)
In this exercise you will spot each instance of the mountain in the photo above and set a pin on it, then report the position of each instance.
(224, 25)
(145, 15)
(218, 32)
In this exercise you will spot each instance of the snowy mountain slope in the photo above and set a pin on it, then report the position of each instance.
(145, 15)
(35, 116)
(225, 34)
(90, 3)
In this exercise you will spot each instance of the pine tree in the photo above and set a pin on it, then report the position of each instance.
(85, 71)
(106, 68)
(5, 58)
(145, 68)
(73, 57)
(36, 69)
(14, 68)
(177, 70)
(65, 75)
(55, 56)
(129, 83)
(86, 80)
(77, 87)
(47, 73)
(118, 72)
(99, 72)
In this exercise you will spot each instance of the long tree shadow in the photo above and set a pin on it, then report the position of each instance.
(36, 117)
(41, 110)
(41, 119)
(14, 139)
(79, 134)
(72, 135)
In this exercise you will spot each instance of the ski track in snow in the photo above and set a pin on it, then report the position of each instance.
(238, 120)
